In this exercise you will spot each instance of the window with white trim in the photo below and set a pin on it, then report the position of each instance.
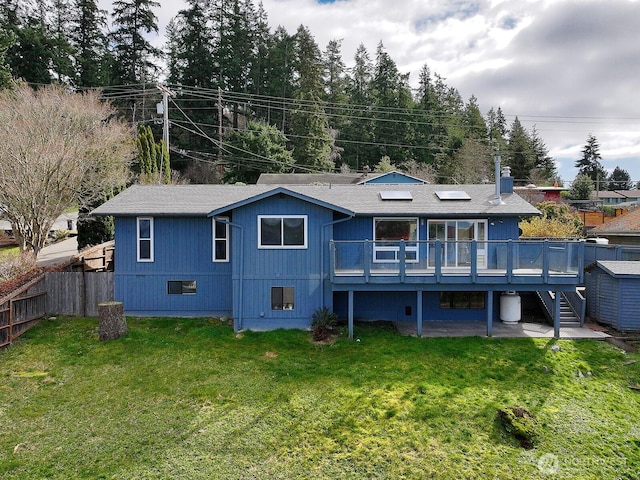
(282, 231)
(388, 232)
(220, 240)
(144, 234)
(456, 237)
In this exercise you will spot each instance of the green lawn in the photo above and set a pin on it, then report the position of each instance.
(188, 398)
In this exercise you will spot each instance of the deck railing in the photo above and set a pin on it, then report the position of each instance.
(503, 261)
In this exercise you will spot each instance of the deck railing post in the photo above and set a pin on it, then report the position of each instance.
(367, 252)
(545, 261)
(332, 259)
(438, 248)
(474, 261)
(510, 260)
(10, 335)
(403, 261)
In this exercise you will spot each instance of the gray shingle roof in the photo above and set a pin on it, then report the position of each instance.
(196, 200)
(617, 268)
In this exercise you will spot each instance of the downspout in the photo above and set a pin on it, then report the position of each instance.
(350, 217)
(237, 323)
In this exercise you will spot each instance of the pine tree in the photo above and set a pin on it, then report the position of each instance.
(133, 54)
(90, 43)
(589, 164)
(358, 132)
(619, 180)
(309, 129)
(519, 153)
(261, 148)
(544, 166)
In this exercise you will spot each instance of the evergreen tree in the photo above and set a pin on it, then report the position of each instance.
(393, 127)
(581, 188)
(619, 180)
(309, 129)
(90, 43)
(544, 166)
(473, 122)
(30, 55)
(261, 148)
(278, 78)
(191, 62)
(519, 153)
(358, 132)
(134, 55)
(589, 164)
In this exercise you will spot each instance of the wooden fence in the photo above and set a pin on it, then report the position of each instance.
(20, 311)
(61, 293)
(77, 293)
(74, 292)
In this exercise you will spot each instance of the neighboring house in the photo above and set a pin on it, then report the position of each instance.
(336, 178)
(269, 255)
(534, 194)
(614, 197)
(622, 230)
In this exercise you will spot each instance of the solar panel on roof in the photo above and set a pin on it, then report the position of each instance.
(453, 195)
(395, 195)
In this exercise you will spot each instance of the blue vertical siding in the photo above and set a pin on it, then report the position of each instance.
(286, 267)
(182, 252)
(629, 312)
(401, 306)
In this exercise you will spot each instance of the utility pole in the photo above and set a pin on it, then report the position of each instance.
(165, 116)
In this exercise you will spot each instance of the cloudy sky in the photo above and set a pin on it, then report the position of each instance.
(569, 67)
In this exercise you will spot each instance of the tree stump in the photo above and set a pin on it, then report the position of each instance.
(112, 321)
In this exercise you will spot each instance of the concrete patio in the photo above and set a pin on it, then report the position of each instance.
(500, 330)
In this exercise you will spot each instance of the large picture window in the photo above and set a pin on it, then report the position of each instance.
(145, 239)
(220, 240)
(456, 237)
(388, 232)
(282, 231)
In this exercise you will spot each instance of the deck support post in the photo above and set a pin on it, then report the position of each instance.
(489, 313)
(419, 311)
(556, 314)
(350, 315)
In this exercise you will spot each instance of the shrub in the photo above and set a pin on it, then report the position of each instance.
(16, 266)
(323, 322)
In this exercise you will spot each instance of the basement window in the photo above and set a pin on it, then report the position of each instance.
(181, 287)
(462, 300)
(282, 298)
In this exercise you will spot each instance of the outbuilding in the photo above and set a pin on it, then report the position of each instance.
(612, 297)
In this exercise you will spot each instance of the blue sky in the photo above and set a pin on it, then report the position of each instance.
(569, 67)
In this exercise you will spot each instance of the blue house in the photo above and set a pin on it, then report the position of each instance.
(269, 255)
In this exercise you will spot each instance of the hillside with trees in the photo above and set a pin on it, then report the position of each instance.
(234, 79)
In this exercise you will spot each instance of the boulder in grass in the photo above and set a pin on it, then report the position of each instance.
(520, 423)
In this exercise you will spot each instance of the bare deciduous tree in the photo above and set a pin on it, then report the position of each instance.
(57, 150)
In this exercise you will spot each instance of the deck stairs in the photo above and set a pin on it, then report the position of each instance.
(568, 318)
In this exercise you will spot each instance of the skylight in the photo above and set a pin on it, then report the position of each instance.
(453, 195)
(395, 195)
